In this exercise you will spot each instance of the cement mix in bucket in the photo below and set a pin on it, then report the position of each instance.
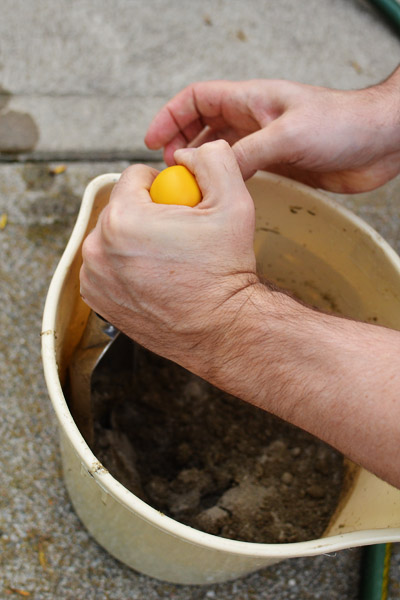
(210, 460)
(358, 276)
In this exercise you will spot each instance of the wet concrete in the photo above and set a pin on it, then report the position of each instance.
(18, 132)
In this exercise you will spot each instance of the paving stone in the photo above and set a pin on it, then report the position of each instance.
(92, 74)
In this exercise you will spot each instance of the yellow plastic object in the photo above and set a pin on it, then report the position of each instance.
(328, 257)
(175, 185)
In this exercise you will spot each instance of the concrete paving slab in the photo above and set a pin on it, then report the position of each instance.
(45, 552)
(88, 76)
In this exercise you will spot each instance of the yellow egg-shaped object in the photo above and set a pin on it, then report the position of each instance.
(175, 185)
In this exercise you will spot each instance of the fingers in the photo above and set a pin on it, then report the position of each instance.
(181, 137)
(273, 145)
(134, 184)
(179, 113)
(179, 141)
(186, 114)
(117, 220)
(207, 134)
(216, 170)
(246, 114)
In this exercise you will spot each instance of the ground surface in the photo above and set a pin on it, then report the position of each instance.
(81, 81)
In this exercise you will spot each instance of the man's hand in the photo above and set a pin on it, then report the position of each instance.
(342, 141)
(182, 282)
(173, 277)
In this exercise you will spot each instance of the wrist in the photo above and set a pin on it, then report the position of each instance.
(244, 355)
(386, 111)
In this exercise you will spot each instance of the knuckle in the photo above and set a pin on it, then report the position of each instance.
(89, 248)
(131, 172)
(218, 152)
(111, 222)
(241, 154)
(127, 181)
(242, 207)
(134, 177)
(291, 129)
(84, 281)
(217, 146)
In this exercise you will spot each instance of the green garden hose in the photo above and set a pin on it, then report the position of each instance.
(375, 572)
(390, 9)
(376, 559)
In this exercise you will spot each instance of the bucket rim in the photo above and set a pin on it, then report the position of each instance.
(112, 486)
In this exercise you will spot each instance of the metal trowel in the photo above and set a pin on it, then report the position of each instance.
(97, 341)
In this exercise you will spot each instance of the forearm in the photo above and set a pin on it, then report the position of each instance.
(387, 112)
(336, 378)
(199, 302)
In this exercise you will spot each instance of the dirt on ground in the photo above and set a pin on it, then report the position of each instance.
(208, 459)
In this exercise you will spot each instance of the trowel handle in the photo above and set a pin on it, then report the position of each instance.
(108, 329)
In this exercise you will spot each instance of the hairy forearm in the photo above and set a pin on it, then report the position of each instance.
(336, 378)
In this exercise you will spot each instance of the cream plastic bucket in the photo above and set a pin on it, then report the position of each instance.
(304, 242)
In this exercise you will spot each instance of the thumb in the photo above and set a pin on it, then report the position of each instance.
(272, 145)
(216, 170)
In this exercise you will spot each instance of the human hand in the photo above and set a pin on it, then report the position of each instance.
(342, 141)
(171, 277)
(182, 282)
